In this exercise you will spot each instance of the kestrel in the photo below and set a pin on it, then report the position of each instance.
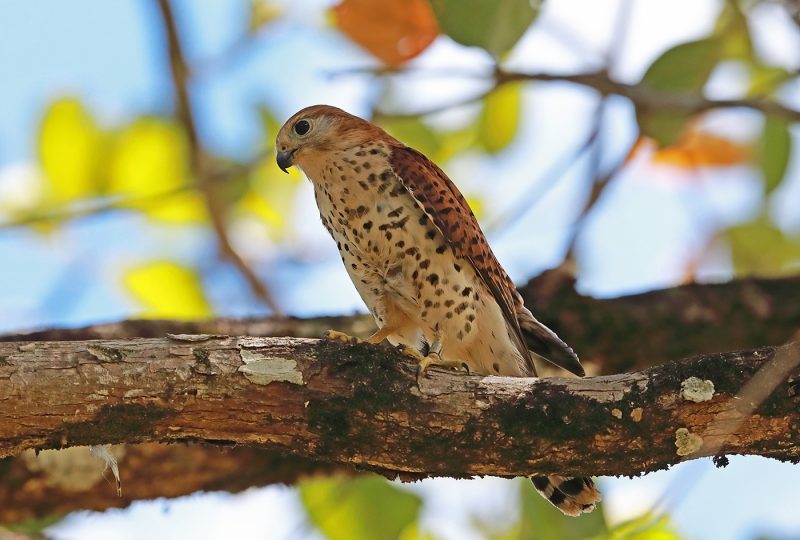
(420, 262)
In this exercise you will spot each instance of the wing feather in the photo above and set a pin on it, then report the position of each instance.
(440, 199)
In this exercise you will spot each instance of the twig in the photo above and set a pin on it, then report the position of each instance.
(200, 161)
(640, 94)
(541, 187)
(93, 207)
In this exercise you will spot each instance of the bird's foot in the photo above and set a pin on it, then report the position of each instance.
(433, 358)
(335, 335)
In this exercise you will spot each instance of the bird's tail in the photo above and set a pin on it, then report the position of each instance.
(544, 343)
(572, 495)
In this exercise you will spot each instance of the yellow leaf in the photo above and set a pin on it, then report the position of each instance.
(476, 203)
(168, 290)
(394, 31)
(272, 196)
(180, 207)
(501, 115)
(151, 159)
(70, 151)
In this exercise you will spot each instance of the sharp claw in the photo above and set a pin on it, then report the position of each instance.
(335, 335)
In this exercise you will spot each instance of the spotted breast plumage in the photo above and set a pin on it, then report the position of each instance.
(420, 262)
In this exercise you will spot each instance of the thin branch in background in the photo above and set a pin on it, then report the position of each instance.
(599, 183)
(200, 161)
(538, 189)
(94, 207)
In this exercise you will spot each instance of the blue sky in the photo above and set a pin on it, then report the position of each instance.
(110, 54)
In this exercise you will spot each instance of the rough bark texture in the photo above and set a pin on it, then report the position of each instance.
(54, 483)
(360, 405)
(610, 335)
(54, 394)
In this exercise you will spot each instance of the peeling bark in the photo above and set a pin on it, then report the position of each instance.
(610, 335)
(360, 405)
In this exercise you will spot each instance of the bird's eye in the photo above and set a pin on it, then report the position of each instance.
(302, 127)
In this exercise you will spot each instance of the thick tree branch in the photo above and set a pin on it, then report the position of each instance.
(610, 335)
(360, 405)
(54, 483)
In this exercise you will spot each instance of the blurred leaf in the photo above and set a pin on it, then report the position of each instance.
(766, 80)
(168, 290)
(683, 69)
(759, 248)
(151, 159)
(361, 508)
(645, 527)
(31, 527)
(412, 532)
(701, 149)
(775, 148)
(456, 141)
(394, 31)
(70, 149)
(494, 25)
(477, 204)
(271, 197)
(541, 521)
(270, 124)
(261, 13)
(732, 31)
(413, 132)
(500, 119)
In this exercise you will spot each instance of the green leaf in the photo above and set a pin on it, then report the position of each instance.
(499, 122)
(683, 69)
(413, 132)
(774, 150)
(644, 527)
(733, 32)
(70, 150)
(759, 248)
(270, 124)
(494, 25)
(362, 508)
(541, 521)
(168, 290)
(766, 80)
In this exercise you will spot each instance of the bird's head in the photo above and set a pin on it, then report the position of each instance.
(312, 133)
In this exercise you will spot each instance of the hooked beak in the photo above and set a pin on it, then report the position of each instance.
(285, 160)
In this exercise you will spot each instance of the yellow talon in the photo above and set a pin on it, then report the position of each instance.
(432, 359)
(335, 335)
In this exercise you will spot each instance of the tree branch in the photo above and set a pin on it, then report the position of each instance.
(610, 335)
(200, 161)
(640, 94)
(360, 405)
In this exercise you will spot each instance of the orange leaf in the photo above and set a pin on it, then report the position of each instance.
(395, 31)
(696, 149)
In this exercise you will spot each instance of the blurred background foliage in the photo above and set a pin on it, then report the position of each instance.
(710, 121)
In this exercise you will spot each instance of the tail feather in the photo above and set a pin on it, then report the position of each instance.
(572, 495)
(544, 343)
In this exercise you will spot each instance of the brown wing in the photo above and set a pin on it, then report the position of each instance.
(451, 214)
